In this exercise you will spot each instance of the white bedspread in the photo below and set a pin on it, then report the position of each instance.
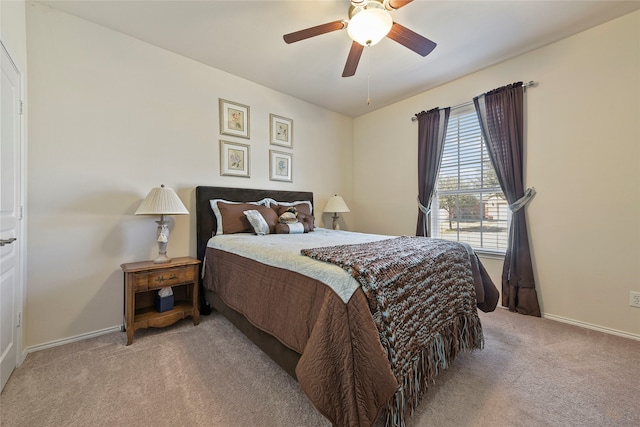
(283, 251)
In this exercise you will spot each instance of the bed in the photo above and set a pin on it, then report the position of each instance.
(344, 343)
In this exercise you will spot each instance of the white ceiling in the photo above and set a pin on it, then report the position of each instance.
(244, 38)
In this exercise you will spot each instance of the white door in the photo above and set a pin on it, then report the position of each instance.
(10, 214)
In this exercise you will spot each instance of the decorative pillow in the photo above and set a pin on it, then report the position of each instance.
(294, 228)
(288, 218)
(260, 226)
(303, 206)
(230, 217)
(302, 209)
(269, 216)
(307, 219)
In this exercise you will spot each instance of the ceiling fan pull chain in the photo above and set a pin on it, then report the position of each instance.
(369, 76)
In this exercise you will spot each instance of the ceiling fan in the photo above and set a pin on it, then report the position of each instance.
(369, 22)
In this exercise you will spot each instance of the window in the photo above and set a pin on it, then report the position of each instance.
(468, 204)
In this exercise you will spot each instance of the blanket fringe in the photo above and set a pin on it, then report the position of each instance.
(463, 334)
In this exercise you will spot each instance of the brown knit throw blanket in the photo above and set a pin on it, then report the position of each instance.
(422, 298)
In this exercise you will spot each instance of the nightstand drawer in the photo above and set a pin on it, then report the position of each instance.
(163, 278)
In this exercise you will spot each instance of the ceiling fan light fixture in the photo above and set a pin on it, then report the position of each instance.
(369, 25)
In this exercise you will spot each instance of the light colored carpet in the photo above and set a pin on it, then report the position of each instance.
(533, 372)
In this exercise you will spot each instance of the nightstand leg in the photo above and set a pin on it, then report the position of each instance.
(129, 336)
(196, 317)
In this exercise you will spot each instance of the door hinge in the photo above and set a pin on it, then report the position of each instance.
(20, 213)
(21, 107)
(19, 319)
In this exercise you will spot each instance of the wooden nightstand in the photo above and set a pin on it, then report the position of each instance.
(143, 280)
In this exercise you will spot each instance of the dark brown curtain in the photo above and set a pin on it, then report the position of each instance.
(501, 116)
(432, 130)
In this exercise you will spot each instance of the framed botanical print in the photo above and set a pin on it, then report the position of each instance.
(281, 131)
(234, 118)
(234, 159)
(280, 166)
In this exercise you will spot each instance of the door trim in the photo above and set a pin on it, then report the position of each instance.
(21, 353)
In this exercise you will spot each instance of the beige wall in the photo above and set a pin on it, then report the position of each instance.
(110, 118)
(582, 155)
(13, 31)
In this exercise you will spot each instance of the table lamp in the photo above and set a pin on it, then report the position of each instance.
(336, 204)
(162, 201)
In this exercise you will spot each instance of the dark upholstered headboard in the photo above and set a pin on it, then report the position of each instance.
(206, 220)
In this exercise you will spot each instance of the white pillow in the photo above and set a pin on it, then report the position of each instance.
(257, 221)
(296, 228)
(270, 202)
(216, 211)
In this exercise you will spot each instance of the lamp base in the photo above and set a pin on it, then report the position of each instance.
(163, 239)
(162, 258)
(336, 225)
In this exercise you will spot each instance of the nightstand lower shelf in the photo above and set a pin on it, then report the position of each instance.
(150, 318)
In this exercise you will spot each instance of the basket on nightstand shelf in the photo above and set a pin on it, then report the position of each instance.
(164, 303)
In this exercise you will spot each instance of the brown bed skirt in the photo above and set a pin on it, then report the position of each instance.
(286, 358)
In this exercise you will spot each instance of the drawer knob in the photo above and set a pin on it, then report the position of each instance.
(161, 279)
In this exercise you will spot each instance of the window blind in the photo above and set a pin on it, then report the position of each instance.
(469, 205)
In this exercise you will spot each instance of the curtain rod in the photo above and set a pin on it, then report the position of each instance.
(524, 85)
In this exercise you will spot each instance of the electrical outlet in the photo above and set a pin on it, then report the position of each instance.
(634, 299)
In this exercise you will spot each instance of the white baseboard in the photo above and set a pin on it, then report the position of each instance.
(118, 328)
(592, 326)
(69, 340)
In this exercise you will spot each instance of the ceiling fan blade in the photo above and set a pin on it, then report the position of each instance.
(352, 60)
(412, 40)
(314, 31)
(397, 4)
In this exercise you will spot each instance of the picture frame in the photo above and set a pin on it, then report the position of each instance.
(280, 166)
(281, 131)
(234, 118)
(234, 159)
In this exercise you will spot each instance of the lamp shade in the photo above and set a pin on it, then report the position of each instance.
(162, 201)
(370, 25)
(336, 204)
